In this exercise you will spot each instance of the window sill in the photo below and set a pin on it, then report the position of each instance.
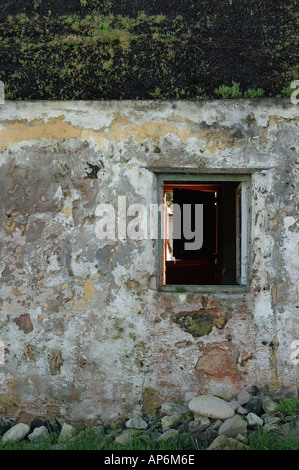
(217, 289)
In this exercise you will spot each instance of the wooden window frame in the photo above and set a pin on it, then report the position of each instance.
(243, 271)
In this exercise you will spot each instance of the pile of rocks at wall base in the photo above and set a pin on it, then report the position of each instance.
(213, 423)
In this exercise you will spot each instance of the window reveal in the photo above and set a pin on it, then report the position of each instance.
(222, 256)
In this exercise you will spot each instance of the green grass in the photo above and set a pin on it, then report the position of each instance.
(89, 440)
(226, 92)
(273, 441)
(103, 53)
(43, 444)
(253, 93)
(288, 406)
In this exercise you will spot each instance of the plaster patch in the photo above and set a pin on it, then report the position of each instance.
(89, 288)
(22, 131)
(67, 210)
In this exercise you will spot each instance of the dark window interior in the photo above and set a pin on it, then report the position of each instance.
(215, 262)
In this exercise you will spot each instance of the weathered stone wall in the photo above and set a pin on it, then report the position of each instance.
(87, 334)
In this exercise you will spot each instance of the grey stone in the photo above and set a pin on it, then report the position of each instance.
(254, 405)
(268, 419)
(234, 404)
(269, 405)
(136, 423)
(168, 434)
(242, 438)
(227, 443)
(169, 422)
(39, 433)
(206, 436)
(243, 397)
(215, 425)
(16, 433)
(199, 424)
(153, 431)
(254, 420)
(173, 408)
(271, 427)
(241, 410)
(231, 427)
(126, 437)
(66, 433)
(211, 406)
(97, 430)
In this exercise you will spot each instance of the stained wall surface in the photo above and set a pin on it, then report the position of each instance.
(86, 333)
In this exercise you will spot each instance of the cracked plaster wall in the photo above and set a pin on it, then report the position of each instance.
(87, 335)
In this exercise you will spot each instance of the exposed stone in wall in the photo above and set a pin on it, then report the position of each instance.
(87, 334)
(55, 362)
(202, 321)
(23, 322)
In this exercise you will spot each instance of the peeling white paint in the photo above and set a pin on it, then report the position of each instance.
(94, 304)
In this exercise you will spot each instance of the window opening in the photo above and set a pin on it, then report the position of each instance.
(220, 258)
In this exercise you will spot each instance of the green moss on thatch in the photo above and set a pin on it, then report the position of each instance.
(222, 49)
